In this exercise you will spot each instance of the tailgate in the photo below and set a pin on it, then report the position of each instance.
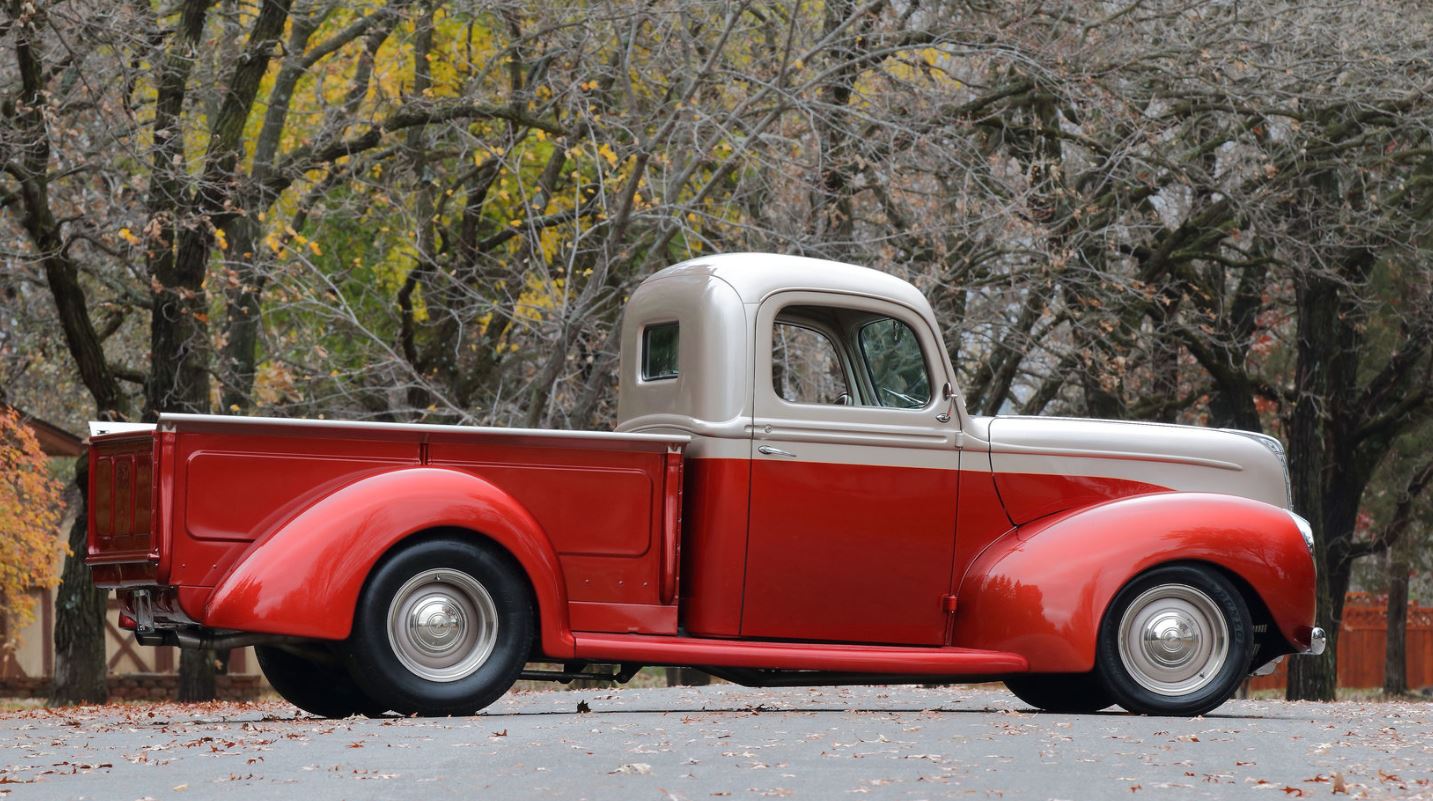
(123, 526)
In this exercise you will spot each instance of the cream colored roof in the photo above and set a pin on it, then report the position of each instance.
(754, 276)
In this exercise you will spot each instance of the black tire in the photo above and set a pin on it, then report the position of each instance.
(460, 590)
(318, 688)
(1061, 692)
(1182, 599)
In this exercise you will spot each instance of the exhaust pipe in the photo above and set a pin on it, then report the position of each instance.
(218, 642)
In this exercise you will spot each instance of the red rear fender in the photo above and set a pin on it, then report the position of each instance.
(1041, 590)
(303, 578)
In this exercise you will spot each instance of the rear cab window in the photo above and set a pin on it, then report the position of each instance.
(659, 351)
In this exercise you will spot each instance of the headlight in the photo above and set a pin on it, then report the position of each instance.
(1306, 530)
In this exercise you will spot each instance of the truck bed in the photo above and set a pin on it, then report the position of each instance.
(178, 505)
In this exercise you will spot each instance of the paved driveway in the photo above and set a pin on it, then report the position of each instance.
(722, 742)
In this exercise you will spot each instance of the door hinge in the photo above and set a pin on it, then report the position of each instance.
(947, 602)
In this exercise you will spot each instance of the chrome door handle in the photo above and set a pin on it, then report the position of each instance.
(770, 451)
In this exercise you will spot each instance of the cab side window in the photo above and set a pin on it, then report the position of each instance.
(805, 367)
(892, 356)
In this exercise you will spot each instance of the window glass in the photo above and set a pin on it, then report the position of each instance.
(805, 367)
(659, 352)
(895, 364)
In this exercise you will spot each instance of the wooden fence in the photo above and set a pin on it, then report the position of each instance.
(1361, 643)
(29, 653)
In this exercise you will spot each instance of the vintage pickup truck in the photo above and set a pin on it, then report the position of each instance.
(794, 495)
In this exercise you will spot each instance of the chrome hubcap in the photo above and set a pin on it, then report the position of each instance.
(442, 625)
(1173, 639)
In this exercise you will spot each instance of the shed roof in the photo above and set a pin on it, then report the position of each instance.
(54, 440)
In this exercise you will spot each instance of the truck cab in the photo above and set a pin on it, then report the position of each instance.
(826, 446)
(794, 494)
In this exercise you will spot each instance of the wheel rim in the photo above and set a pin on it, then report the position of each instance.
(442, 625)
(1173, 639)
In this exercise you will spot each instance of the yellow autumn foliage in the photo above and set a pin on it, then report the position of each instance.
(31, 506)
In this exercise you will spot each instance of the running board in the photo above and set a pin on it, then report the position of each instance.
(696, 651)
(759, 677)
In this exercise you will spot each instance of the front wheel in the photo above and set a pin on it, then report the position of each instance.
(443, 627)
(1061, 692)
(1175, 641)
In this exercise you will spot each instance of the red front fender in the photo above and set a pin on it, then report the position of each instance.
(1041, 590)
(303, 578)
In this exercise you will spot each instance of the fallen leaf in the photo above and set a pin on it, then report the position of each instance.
(639, 768)
(583, 708)
(1338, 784)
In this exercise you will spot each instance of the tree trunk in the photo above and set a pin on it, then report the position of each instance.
(79, 607)
(1395, 659)
(832, 210)
(179, 382)
(197, 670)
(687, 677)
(185, 215)
(1314, 678)
(1231, 404)
(79, 615)
(243, 317)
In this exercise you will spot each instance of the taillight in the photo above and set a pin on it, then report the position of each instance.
(122, 500)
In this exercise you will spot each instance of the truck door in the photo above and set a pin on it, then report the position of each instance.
(854, 474)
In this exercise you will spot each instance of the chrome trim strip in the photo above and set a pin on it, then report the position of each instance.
(1004, 449)
(735, 428)
(169, 421)
(100, 428)
(784, 431)
(1306, 531)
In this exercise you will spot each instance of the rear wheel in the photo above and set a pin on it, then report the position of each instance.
(1061, 692)
(443, 628)
(321, 688)
(1175, 641)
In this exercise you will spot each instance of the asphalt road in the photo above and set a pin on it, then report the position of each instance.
(721, 742)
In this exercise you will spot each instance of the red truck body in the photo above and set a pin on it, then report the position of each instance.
(724, 526)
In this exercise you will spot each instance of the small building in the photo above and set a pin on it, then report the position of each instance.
(27, 656)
